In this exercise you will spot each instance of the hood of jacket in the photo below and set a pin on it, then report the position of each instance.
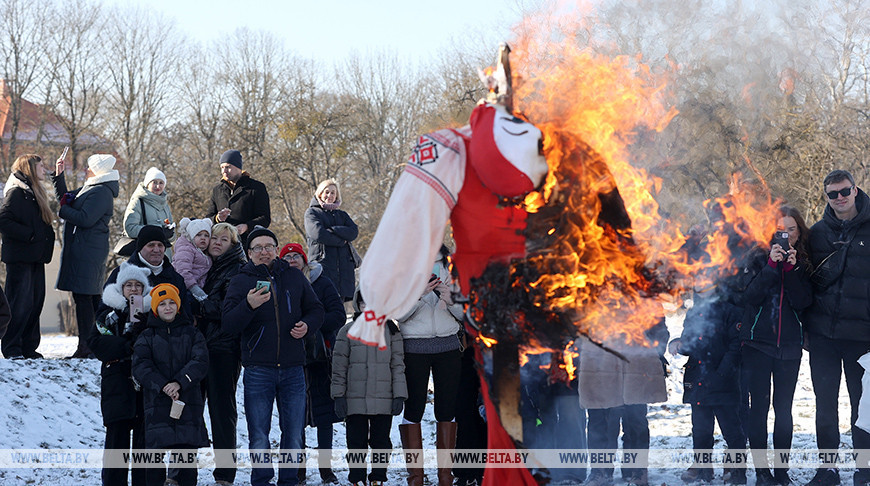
(111, 184)
(19, 180)
(113, 293)
(315, 270)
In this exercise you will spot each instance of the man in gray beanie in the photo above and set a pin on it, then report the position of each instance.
(239, 199)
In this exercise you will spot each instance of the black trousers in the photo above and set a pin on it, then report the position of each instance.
(25, 291)
(445, 368)
(219, 390)
(118, 437)
(603, 432)
(185, 476)
(364, 431)
(86, 306)
(828, 359)
(470, 427)
(758, 368)
(703, 420)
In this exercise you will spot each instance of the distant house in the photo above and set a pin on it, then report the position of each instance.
(41, 132)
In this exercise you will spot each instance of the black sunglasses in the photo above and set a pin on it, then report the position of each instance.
(842, 192)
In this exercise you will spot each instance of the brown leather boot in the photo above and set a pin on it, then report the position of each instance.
(412, 439)
(445, 441)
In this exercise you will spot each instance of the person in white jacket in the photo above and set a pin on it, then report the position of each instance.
(430, 334)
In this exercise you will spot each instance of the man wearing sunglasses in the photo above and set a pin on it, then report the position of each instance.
(838, 321)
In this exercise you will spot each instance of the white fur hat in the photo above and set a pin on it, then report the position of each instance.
(192, 227)
(154, 173)
(113, 295)
(101, 163)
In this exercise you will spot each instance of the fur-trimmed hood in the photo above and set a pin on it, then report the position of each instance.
(113, 294)
(16, 179)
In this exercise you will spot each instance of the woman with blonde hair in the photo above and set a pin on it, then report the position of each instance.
(330, 231)
(28, 242)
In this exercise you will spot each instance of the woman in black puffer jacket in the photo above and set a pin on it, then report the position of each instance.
(224, 351)
(777, 290)
(28, 242)
(330, 232)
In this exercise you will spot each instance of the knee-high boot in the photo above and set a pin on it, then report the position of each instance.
(445, 441)
(412, 439)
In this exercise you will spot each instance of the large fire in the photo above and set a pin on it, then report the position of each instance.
(601, 260)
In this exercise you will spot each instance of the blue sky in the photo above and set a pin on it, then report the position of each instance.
(328, 30)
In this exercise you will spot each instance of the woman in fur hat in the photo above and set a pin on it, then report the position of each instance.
(111, 340)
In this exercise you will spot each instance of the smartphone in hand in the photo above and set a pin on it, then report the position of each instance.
(781, 238)
(136, 307)
(264, 284)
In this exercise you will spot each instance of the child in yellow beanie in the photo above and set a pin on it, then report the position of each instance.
(170, 359)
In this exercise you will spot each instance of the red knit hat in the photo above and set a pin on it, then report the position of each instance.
(295, 248)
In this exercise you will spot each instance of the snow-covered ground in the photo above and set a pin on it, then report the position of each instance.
(55, 404)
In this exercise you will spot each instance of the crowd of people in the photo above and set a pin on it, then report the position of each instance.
(175, 330)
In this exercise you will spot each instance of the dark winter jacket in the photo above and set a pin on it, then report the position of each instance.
(841, 310)
(368, 377)
(85, 235)
(329, 233)
(773, 297)
(711, 341)
(163, 353)
(112, 344)
(318, 351)
(265, 331)
(209, 311)
(26, 237)
(248, 202)
(167, 275)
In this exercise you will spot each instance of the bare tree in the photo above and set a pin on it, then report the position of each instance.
(21, 48)
(142, 54)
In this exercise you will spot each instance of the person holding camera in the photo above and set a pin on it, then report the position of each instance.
(777, 289)
(430, 335)
(273, 307)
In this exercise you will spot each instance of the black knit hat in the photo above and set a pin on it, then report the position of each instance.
(150, 233)
(259, 231)
(233, 157)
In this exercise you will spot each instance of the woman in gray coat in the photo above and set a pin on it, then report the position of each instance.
(368, 385)
(149, 204)
(86, 213)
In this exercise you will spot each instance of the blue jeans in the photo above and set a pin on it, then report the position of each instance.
(263, 387)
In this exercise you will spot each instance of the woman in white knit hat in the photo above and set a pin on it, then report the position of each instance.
(149, 204)
(86, 213)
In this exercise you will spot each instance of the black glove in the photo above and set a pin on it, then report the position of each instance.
(398, 404)
(341, 407)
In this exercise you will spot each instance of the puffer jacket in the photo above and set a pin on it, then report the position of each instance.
(157, 211)
(605, 380)
(86, 233)
(840, 311)
(367, 377)
(328, 233)
(711, 341)
(265, 331)
(112, 344)
(773, 297)
(190, 262)
(248, 201)
(430, 317)
(209, 311)
(163, 353)
(26, 237)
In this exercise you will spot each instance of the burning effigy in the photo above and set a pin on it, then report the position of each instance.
(557, 235)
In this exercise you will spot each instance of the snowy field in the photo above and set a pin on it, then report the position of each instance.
(55, 404)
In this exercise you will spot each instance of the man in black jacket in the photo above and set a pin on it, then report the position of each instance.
(239, 199)
(839, 319)
(273, 307)
(150, 253)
